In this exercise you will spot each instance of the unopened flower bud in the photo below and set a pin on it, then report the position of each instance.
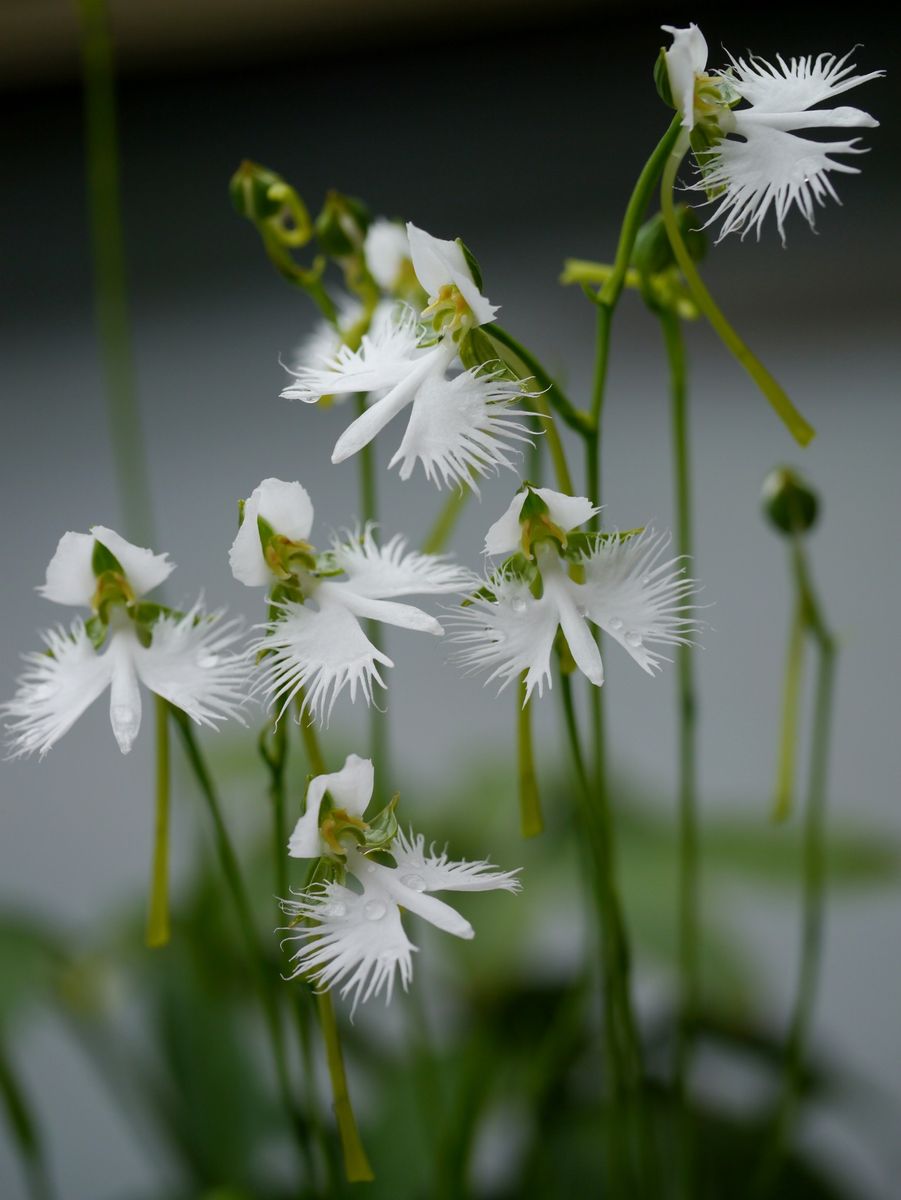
(789, 502)
(256, 192)
(342, 224)
(653, 253)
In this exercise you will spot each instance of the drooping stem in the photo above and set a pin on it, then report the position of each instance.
(788, 732)
(24, 1131)
(529, 797)
(797, 426)
(110, 292)
(158, 910)
(231, 869)
(689, 872)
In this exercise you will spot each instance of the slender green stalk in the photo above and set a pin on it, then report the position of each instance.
(24, 1130)
(110, 292)
(689, 873)
(797, 426)
(231, 869)
(529, 797)
(379, 734)
(356, 1164)
(158, 911)
(791, 711)
(446, 521)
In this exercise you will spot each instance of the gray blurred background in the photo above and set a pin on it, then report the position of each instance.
(519, 127)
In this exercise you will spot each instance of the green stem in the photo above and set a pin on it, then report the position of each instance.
(445, 523)
(788, 735)
(689, 873)
(797, 426)
(529, 798)
(379, 735)
(24, 1130)
(158, 911)
(814, 876)
(110, 292)
(554, 444)
(356, 1164)
(231, 869)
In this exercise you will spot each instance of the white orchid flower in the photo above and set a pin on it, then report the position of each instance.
(757, 162)
(316, 643)
(184, 657)
(325, 340)
(355, 939)
(460, 427)
(621, 584)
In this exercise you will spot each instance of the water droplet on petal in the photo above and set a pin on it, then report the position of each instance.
(615, 624)
(415, 883)
(334, 909)
(519, 605)
(633, 639)
(374, 910)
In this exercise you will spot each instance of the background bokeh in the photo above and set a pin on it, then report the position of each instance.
(520, 128)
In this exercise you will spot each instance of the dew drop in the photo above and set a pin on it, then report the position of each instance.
(374, 910)
(519, 605)
(415, 883)
(616, 624)
(633, 639)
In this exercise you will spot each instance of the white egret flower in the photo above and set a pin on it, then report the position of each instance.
(757, 162)
(623, 584)
(184, 657)
(316, 642)
(460, 426)
(355, 939)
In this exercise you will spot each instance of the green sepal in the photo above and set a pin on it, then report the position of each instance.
(662, 80)
(103, 560)
(476, 349)
(472, 262)
(242, 504)
(382, 829)
(96, 629)
(653, 255)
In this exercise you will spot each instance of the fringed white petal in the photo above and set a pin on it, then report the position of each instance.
(505, 637)
(427, 871)
(638, 596)
(463, 427)
(385, 571)
(357, 942)
(319, 648)
(55, 688)
(772, 170)
(385, 358)
(350, 789)
(191, 662)
(797, 84)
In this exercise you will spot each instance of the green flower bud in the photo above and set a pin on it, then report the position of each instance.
(251, 192)
(653, 254)
(341, 226)
(789, 502)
